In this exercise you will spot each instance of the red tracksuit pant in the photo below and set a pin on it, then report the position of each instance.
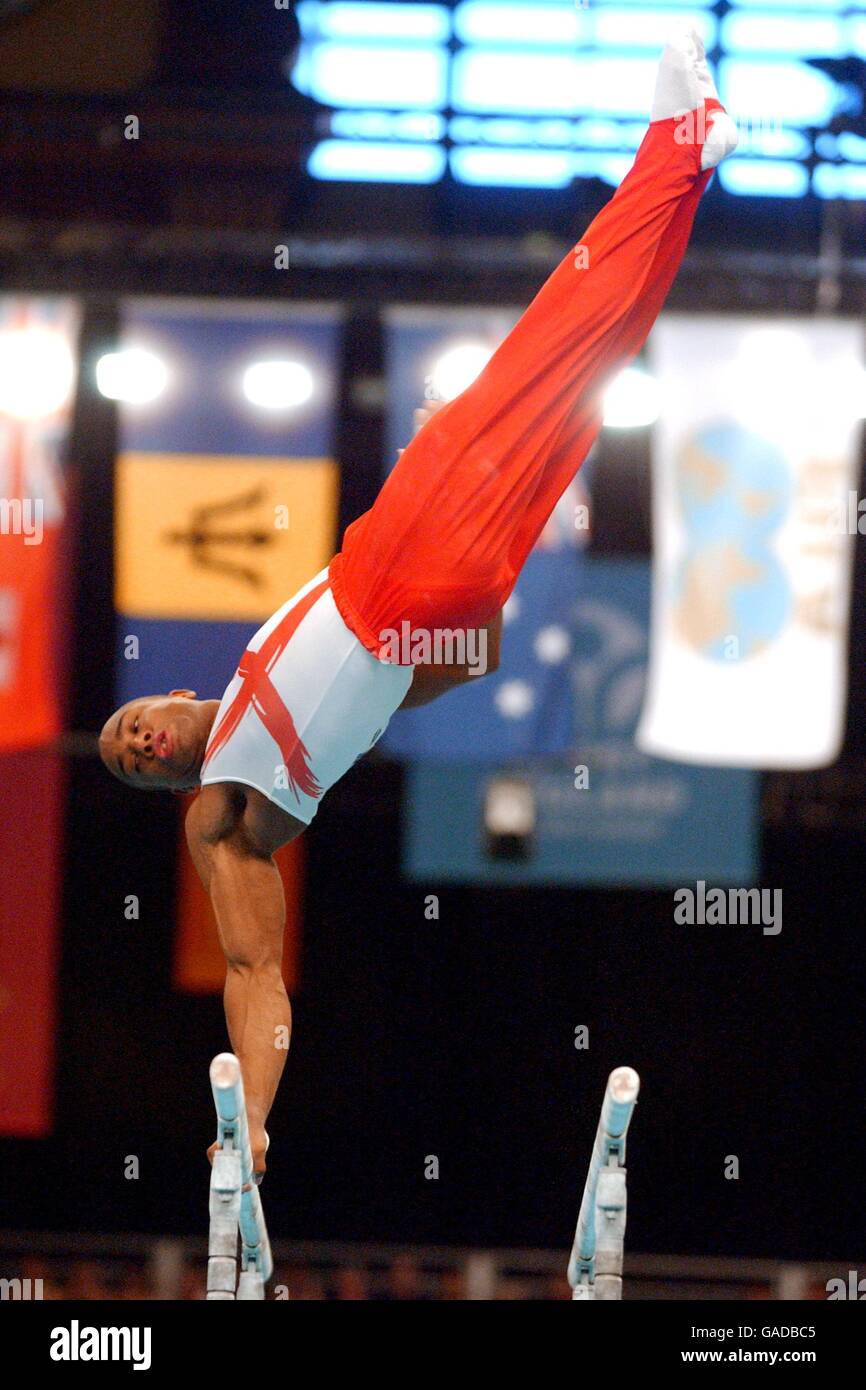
(445, 541)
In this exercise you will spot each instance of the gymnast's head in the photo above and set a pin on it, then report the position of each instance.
(157, 742)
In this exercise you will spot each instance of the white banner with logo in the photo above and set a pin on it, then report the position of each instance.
(754, 518)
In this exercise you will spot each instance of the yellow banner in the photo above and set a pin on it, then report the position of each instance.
(219, 537)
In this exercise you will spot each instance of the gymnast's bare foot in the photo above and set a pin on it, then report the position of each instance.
(259, 1141)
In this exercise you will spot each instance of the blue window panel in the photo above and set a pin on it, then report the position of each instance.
(508, 132)
(346, 74)
(839, 181)
(545, 25)
(300, 74)
(513, 168)
(466, 130)
(421, 126)
(558, 133)
(773, 144)
(369, 162)
(598, 133)
(617, 135)
(426, 23)
(850, 146)
(379, 125)
(633, 133)
(833, 6)
(694, 5)
(618, 86)
(361, 125)
(520, 82)
(644, 28)
(777, 93)
(611, 168)
(813, 36)
(554, 83)
(764, 177)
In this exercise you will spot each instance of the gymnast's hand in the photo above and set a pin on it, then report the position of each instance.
(259, 1142)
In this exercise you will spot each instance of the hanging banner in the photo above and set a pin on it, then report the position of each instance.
(754, 463)
(38, 350)
(226, 504)
(226, 484)
(38, 369)
(32, 782)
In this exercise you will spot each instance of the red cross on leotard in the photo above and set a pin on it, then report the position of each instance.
(258, 690)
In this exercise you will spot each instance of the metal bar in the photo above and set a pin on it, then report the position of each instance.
(595, 1266)
(235, 1202)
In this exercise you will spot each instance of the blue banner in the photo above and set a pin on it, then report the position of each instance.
(226, 488)
(608, 814)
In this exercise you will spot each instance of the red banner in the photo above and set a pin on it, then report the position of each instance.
(37, 375)
(37, 378)
(199, 964)
(31, 790)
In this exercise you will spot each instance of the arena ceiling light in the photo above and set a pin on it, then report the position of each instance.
(37, 372)
(458, 368)
(632, 400)
(132, 375)
(279, 384)
(842, 388)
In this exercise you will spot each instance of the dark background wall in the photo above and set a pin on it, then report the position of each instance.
(451, 1037)
(455, 1038)
(413, 1038)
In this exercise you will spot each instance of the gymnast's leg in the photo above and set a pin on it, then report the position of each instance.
(446, 538)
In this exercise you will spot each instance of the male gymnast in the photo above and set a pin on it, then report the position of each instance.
(440, 550)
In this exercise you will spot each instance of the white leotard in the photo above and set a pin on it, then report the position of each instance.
(316, 691)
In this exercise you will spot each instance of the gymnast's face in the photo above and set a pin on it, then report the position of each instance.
(158, 741)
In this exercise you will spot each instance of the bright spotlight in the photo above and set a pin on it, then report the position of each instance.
(278, 385)
(631, 401)
(842, 390)
(458, 367)
(37, 372)
(131, 375)
(510, 818)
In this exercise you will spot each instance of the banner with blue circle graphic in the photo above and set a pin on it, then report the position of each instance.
(754, 464)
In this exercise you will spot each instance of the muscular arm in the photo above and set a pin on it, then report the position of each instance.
(247, 895)
(429, 682)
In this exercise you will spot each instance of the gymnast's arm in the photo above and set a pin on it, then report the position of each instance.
(236, 866)
(429, 682)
